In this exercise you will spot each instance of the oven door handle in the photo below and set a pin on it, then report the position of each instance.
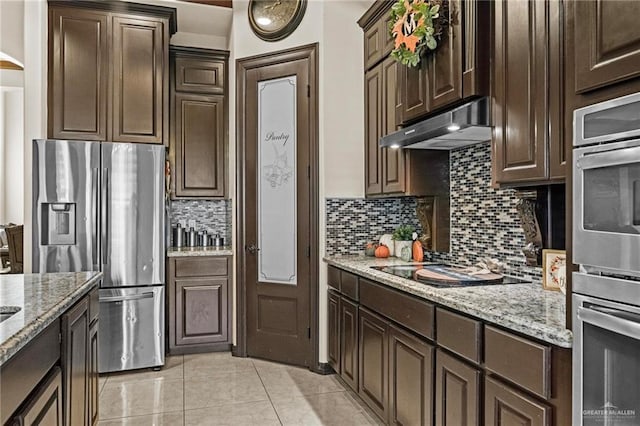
(610, 319)
(613, 158)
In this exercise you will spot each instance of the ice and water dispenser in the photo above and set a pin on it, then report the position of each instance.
(58, 224)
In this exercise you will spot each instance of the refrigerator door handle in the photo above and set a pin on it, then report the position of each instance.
(105, 216)
(95, 214)
(148, 295)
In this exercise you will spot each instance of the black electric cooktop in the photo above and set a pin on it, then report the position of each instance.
(441, 275)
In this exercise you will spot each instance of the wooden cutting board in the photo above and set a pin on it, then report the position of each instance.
(449, 275)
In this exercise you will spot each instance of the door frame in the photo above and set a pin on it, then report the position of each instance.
(310, 52)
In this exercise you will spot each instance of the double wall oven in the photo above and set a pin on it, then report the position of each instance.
(606, 245)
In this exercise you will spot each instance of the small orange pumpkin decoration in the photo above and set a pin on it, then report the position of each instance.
(382, 251)
(418, 253)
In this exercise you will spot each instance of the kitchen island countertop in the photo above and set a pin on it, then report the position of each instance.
(42, 298)
(524, 308)
(199, 251)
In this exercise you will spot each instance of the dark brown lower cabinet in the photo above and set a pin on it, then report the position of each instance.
(457, 392)
(410, 379)
(334, 331)
(505, 406)
(374, 362)
(92, 374)
(349, 342)
(45, 407)
(75, 335)
(199, 304)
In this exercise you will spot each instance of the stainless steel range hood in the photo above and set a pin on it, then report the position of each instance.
(468, 124)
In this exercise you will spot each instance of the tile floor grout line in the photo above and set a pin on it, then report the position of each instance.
(267, 392)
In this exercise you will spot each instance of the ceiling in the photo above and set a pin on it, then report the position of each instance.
(199, 18)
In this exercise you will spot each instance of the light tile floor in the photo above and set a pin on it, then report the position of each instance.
(218, 389)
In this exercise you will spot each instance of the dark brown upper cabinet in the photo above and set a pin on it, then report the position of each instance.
(199, 105)
(606, 43)
(109, 71)
(373, 94)
(528, 138)
(457, 70)
(78, 74)
(140, 55)
(396, 172)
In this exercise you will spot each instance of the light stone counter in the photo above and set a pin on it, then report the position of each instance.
(524, 308)
(199, 251)
(42, 298)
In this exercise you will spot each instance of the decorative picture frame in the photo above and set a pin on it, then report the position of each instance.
(554, 270)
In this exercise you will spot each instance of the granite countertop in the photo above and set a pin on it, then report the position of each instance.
(524, 308)
(199, 251)
(41, 298)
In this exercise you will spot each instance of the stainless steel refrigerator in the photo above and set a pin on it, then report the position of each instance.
(100, 206)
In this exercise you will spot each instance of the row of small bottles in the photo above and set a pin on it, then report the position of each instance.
(192, 238)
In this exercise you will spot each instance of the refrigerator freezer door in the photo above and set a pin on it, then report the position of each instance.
(66, 207)
(133, 214)
(131, 328)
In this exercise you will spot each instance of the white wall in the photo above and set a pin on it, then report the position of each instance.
(35, 100)
(11, 155)
(333, 25)
(11, 28)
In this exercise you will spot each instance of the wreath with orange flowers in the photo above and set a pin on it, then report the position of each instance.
(416, 26)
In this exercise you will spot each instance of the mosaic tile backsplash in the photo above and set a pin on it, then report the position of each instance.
(484, 221)
(214, 216)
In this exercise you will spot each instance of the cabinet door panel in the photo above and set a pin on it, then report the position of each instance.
(507, 407)
(200, 76)
(607, 43)
(410, 379)
(140, 80)
(201, 311)
(457, 392)
(520, 92)
(75, 334)
(374, 45)
(45, 407)
(373, 130)
(78, 63)
(92, 374)
(414, 91)
(334, 331)
(200, 154)
(349, 342)
(393, 177)
(445, 64)
(557, 136)
(374, 380)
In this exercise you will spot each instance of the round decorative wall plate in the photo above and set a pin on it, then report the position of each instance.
(273, 20)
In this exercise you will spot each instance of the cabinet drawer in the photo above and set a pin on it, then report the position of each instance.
(414, 314)
(349, 285)
(201, 266)
(333, 277)
(459, 334)
(506, 354)
(199, 76)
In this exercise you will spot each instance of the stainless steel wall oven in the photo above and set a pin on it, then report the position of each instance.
(606, 245)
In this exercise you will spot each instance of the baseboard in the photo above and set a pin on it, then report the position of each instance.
(323, 368)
